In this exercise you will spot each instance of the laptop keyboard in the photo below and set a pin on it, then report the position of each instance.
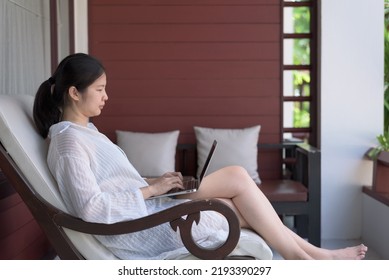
(189, 184)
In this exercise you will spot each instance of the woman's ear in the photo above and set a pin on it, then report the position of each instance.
(73, 93)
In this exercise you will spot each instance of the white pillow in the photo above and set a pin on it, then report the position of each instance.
(235, 147)
(152, 154)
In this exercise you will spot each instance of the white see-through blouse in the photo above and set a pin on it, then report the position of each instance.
(99, 184)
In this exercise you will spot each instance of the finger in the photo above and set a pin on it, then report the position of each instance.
(179, 180)
(174, 177)
(167, 175)
(179, 186)
(176, 174)
(176, 182)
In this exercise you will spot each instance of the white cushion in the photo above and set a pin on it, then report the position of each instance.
(235, 147)
(250, 244)
(26, 146)
(152, 154)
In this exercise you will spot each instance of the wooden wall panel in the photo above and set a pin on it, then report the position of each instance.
(173, 64)
(190, 14)
(192, 88)
(185, 2)
(194, 51)
(20, 235)
(152, 33)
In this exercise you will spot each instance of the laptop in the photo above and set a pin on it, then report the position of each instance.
(191, 184)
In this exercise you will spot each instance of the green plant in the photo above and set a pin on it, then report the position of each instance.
(301, 56)
(383, 140)
(386, 71)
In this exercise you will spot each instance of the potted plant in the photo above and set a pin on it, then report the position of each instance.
(380, 155)
(383, 141)
(386, 66)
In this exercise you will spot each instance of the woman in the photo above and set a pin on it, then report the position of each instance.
(99, 184)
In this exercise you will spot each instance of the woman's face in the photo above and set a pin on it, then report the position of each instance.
(93, 99)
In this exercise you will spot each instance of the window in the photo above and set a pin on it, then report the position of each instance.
(299, 69)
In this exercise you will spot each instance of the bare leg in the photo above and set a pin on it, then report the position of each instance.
(234, 186)
(356, 252)
(255, 210)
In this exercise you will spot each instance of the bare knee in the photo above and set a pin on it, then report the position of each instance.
(237, 175)
(236, 171)
(227, 182)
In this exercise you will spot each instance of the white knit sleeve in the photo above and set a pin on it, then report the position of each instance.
(80, 190)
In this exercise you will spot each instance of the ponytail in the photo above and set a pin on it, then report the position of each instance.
(46, 110)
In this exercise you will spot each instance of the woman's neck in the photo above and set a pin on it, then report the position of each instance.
(75, 118)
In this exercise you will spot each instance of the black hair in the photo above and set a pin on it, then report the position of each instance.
(79, 70)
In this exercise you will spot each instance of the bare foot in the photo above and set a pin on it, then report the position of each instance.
(349, 253)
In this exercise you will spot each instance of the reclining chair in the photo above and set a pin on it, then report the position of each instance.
(23, 161)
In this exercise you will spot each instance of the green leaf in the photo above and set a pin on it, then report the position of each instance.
(373, 153)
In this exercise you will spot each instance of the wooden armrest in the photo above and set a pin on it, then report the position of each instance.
(303, 161)
(172, 215)
(307, 163)
(304, 147)
(307, 149)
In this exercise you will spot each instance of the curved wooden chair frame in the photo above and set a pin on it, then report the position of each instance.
(53, 221)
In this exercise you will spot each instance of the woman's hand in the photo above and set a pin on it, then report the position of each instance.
(163, 184)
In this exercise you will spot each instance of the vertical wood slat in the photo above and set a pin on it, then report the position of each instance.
(53, 35)
(72, 43)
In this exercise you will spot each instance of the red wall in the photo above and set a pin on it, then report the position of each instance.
(20, 235)
(173, 64)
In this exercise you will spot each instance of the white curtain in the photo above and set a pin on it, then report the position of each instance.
(24, 45)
